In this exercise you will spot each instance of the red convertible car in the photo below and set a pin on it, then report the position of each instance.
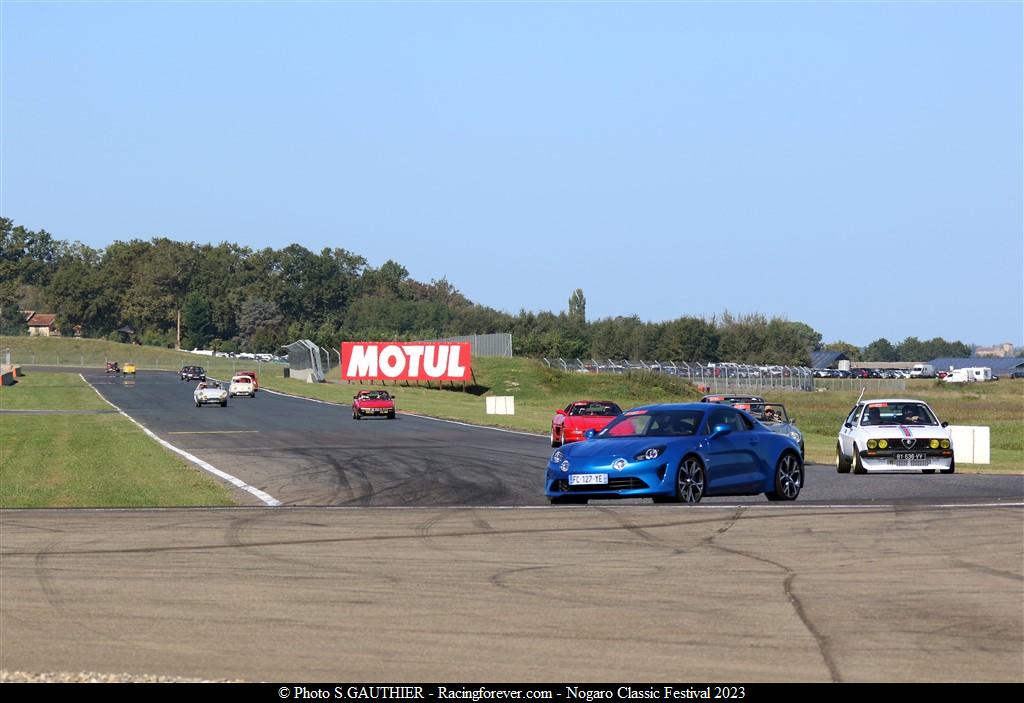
(373, 403)
(569, 424)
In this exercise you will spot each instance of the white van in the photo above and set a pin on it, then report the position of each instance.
(970, 374)
(922, 371)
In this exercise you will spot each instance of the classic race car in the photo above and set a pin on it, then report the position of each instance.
(373, 403)
(252, 375)
(775, 418)
(570, 423)
(677, 453)
(209, 393)
(193, 373)
(128, 369)
(113, 367)
(242, 384)
(894, 435)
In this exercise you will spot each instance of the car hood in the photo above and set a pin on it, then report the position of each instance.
(901, 431)
(783, 428)
(582, 422)
(611, 449)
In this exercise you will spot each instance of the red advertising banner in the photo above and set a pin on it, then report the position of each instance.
(405, 361)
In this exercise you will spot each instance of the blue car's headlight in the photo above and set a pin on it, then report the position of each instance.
(565, 465)
(650, 453)
(557, 457)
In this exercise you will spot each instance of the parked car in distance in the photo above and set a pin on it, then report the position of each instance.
(242, 384)
(571, 422)
(193, 373)
(210, 393)
(380, 403)
(893, 434)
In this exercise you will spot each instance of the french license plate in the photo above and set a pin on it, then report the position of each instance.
(587, 479)
(911, 456)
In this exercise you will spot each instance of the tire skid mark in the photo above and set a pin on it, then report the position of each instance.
(822, 641)
(982, 569)
(632, 528)
(784, 514)
(499, 580)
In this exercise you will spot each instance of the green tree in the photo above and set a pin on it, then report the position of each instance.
(196, 320)
(578, 306)
(880, 350)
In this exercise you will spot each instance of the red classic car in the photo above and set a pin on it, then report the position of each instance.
(568, 425)
(373, 403)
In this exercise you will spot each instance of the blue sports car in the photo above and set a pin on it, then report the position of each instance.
(677, 453)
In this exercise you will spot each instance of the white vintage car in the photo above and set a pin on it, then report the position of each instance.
(210, 392)
(242, 384)
(895, 434)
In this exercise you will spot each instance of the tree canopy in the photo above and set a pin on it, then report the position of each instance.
(233, 298)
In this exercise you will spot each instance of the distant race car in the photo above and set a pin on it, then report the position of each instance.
(373, 403)
(210, 393)
(242, 384)
(569, 424)
(113, 367)
(193, 373)
(252, 375)
(677, 453)
(894, 435)
(128, 369)
(775, 418)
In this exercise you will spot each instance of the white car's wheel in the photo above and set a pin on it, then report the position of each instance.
(842, 463)
(858, 466)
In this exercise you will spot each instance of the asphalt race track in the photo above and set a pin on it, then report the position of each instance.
(415, 567)
(307, 453)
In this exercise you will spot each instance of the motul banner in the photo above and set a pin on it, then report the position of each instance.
(405, 361)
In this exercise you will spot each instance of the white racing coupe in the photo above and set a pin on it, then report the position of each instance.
(209, 393)
(242, 385)
(894, 435)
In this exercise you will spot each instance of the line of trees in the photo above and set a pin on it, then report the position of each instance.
(234, 298)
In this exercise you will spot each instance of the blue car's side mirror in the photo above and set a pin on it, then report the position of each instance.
(589, 434)
(720, 430)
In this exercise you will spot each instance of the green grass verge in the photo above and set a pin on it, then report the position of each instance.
(50, 391)
(88, 461)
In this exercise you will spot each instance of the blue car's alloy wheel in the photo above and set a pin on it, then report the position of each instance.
(690, 481)
(789, 478)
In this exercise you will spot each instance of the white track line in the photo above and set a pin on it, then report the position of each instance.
(265, 497)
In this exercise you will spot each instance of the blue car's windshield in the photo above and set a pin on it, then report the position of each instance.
(656, 423)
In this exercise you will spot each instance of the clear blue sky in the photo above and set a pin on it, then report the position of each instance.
(855, 166)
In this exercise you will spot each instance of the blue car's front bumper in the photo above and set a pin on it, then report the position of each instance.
(641, 479)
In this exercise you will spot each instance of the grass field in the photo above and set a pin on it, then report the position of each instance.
(539, 390)
(87, 460)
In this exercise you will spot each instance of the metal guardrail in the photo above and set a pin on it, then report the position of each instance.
(722, 377)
